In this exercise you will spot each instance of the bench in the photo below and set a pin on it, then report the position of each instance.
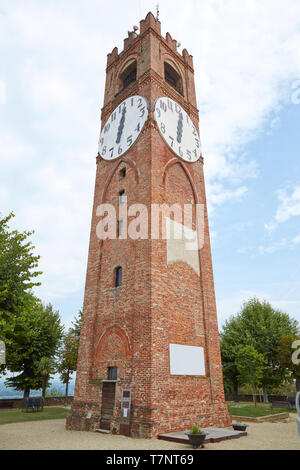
(281, 404)
(292, 401)
(6, 404)
(33, 404)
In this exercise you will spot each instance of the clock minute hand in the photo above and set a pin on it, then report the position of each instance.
(180, 128)
(121, 126)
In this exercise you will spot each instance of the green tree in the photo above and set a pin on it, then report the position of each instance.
(251, 367)
(285, 357)
(17, 273)
(230, 371)
(37, 334)
(261, 326)
(77, 324)
(67, 359)
(46, 366)
(54, 392)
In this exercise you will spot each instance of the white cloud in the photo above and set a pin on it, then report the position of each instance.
(246, 58)
(2, 92)
(219, 195)
(281, 296)
(296, 240)
(289, 206)
(245, 55)
(272, 248)
(14, 150)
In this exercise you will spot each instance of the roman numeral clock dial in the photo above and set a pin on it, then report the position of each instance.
(177, 129)
(123, 127)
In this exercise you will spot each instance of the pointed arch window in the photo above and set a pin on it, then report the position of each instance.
(129, 75)
(173, 78)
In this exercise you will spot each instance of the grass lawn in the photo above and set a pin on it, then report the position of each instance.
(247, 409)
(18, 416)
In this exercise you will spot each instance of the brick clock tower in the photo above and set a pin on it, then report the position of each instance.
(149, 355)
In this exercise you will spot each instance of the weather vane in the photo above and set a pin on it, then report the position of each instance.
(157, 12)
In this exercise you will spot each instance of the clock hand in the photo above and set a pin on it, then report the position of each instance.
(180, 128)
(121, 126)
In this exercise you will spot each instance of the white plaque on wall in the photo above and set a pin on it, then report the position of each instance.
(186, 360)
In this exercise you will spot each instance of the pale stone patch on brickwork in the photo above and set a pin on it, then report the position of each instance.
(178, 237)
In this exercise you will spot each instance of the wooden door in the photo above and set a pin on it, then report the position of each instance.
(108, 403)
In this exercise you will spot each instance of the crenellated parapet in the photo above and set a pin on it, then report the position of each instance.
(150, 23)
(150, 53)
(112, 57)
(130, 40)
(188, 59)
(172, 43)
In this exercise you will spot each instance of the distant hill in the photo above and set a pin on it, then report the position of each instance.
(9, 392)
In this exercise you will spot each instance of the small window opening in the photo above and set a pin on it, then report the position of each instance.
(112, 373)
(120, 228)
(118, 277)
(173, 78)
(122, 197)
(123, 173)
(129, 75)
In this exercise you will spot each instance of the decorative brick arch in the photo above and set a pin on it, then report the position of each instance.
(114, 331)
(175, 161)
(126, 62)
(167, 59)
(122, 67)
(130, 163)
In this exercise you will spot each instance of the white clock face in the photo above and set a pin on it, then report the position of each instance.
(123, 127)
(177, 129)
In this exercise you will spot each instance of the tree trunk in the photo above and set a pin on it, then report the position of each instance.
(67, 388)
(254, 396)
(26, 392)
(44, 388)
(266, 399)
(236, 392)
(298, 383)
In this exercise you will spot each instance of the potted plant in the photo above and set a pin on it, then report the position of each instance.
(239, 426)
(196, 437)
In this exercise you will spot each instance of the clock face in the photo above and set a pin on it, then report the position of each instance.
(123, 127)
(177, 129)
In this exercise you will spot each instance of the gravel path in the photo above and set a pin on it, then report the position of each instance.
(52, 435)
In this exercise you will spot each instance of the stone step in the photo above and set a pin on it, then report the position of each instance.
(102, 431)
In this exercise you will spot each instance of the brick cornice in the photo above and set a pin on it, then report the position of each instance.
(150, 76)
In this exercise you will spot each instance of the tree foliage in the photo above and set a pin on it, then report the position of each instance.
(37, 334)
(261, 326)
(251, 367)
(17, 272)
(287, 356)
(45, 367)
(68, 354)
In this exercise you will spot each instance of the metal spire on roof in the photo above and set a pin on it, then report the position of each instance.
(157, 12)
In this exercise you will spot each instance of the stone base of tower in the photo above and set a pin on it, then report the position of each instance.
(147, 422)
(181, 419)
(84, 416)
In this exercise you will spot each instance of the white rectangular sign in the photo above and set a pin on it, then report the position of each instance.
(186, 360)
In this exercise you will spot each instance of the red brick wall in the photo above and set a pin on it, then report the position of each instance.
(131, 327)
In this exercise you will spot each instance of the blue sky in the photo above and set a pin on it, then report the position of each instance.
(247, 70)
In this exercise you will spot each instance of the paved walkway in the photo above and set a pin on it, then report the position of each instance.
(52, 435)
